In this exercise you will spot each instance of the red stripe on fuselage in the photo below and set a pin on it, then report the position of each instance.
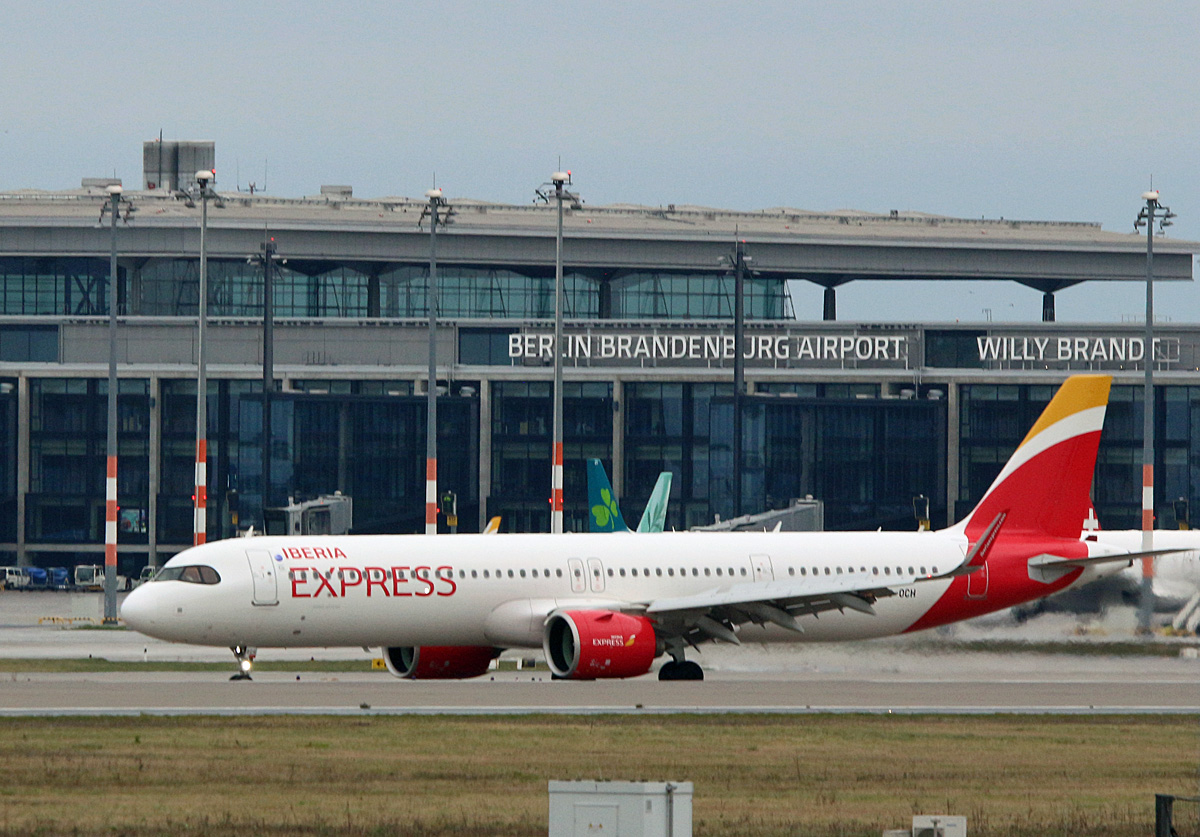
(1008, 582)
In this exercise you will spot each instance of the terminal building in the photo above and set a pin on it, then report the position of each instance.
(864, 416)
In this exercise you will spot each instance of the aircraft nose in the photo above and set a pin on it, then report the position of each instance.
(139, 610)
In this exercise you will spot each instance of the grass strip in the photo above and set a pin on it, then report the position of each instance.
(450, 776)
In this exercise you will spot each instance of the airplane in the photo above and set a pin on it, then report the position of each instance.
(604, 512)
(605, 607)
(1175, 582)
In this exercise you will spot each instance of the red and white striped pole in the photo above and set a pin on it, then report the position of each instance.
(110, 519)
(556, 496)
(431, 509)
(200, 531)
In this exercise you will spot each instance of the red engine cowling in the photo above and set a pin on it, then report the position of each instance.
(590, 644)
(439, 662)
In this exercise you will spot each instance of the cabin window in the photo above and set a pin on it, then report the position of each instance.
(671, 572)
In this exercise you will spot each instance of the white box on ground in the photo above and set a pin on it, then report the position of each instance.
(620, 809)
(939, 825)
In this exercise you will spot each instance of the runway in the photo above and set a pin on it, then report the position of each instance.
(902, 675)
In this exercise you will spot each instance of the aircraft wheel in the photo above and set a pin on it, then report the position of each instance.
(684, 670)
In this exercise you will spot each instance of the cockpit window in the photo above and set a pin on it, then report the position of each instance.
(195, 574)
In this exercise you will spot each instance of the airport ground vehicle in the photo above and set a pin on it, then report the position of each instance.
(14, 578)
(91, 577)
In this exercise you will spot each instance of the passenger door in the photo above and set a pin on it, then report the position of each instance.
(262, 571)
(596, 571)
(763, 570)
(578, 582)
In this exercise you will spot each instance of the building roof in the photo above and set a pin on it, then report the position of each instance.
(828, 248)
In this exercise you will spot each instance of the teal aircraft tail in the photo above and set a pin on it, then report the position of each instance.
(654, 518)
(605, 513)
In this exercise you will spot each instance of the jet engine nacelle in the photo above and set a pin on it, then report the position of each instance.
(439, 662)
(590, 644)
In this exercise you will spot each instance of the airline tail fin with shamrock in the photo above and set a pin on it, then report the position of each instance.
(605, 513)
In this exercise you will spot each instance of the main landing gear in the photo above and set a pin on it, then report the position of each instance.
(245, 657)
(680, 670)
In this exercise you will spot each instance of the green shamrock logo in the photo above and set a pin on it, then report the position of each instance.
(606, 513)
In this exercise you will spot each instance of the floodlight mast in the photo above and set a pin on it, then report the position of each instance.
(436, 202)
(559, 180)
(110, 476)
(1146, 218)
(204, 178)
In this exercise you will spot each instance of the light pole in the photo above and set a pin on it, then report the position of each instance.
(268, 258)
(559, 180)
(738, 260)
(110, 480)
(200, 531)
(436, 202)
(1146, 219)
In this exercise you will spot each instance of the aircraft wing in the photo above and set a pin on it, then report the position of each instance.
(1050, 568)
(716, 613)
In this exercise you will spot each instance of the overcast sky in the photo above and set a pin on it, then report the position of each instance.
(1021, 110)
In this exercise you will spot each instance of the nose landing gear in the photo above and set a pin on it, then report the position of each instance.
(245, 656)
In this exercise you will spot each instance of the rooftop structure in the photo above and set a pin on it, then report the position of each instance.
(353, 257)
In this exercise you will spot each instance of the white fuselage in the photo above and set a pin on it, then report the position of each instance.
(1176, 574)
(498, 590)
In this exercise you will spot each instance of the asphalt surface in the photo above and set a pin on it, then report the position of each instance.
(903, 675)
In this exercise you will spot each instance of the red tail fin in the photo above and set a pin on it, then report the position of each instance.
(1044, 487)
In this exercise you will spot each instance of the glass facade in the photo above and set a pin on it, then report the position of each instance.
(694, 296)
(522, 434)
(866, 459)
(55, 285)
(8, 460)
(178, 456)
(995, 418)
(369, 447)
(68, 426)
(668, 428)
(170, 287)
